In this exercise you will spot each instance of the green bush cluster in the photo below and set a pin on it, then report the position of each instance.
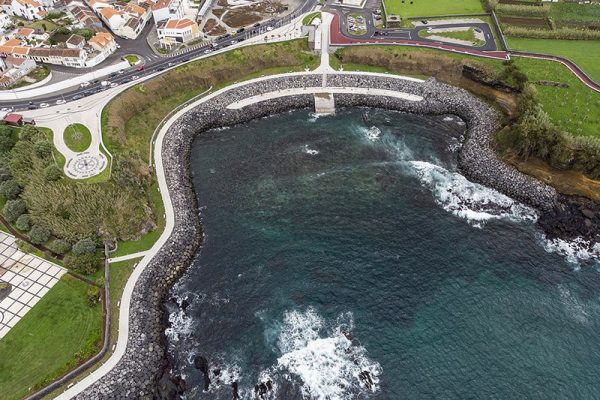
(564, 33)
(86, 264)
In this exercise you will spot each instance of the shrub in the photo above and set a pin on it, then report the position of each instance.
(7, 139)
(23, 223)
(13, 209)
(52, 173)
(31, 133)
(86, 264)
(10, 189)
(39, 234)
(43, 148)
(59, 246)
(560, 33)
(93, 295)
(84, 246)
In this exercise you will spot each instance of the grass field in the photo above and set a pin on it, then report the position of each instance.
(585, 53)
(309, 18)
(77, 137)
(51, 339)
(576, 109)
(466, 35)
(431, 8)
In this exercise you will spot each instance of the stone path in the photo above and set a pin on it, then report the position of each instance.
(31, 278)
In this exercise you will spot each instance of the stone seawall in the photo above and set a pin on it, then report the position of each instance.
(137, 373)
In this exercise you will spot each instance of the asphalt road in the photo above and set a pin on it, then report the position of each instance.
(408, 33)
(151, 65)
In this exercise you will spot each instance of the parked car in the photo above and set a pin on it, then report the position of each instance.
(121, 71)
(257, 25)
(85, 84)
(6, 109)
(32, 107)
(269, 28)
(77, 97)
(105, 83)
(44, 105)
(135, 77)
(60, 101)
(424, 21)
(141, 67)
(114, 84)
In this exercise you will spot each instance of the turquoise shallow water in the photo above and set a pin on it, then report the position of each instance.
(335, 247)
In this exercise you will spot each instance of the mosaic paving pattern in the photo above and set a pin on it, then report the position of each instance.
(30, 276)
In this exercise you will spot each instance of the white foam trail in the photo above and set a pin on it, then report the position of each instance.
(576, 251)
(181, 325)
(471, 201)
(573, 307)
(448, 119)
(310, 151)
(323, 361)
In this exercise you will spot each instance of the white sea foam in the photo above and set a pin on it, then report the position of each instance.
(322, 360)
(471, 201)
(573, 307)
(313, 117)
(181, 325)
(310, 151)
(576, 251)
(447, 119)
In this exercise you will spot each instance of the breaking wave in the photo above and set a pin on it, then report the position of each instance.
(576, 252)
(471, 201)
(324, 361)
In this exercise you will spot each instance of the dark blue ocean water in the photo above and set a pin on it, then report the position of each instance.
(335, 247)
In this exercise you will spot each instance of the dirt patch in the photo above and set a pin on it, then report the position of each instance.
(538, 23)
(568, 182)
(217, 31)
(244, 16)
(218, 12)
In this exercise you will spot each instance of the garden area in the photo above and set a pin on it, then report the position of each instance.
(77, 137)
(62, 330)
(466, 35)
(432, 8)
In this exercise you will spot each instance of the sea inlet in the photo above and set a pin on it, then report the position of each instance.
(346, 257)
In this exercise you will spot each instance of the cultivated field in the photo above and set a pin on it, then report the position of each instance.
(431, 8)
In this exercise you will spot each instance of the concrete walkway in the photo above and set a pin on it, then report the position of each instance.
(128, 256)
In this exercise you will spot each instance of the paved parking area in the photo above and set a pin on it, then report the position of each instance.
(30, 277)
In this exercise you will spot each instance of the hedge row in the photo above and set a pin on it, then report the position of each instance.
(559, 33)
(523, 10)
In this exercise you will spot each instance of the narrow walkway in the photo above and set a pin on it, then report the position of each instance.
(312, 90)
(128, 256)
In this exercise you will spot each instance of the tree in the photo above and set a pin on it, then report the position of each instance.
(39, 234)
(23, 223)
(86, 264)
(13, 209)
(43, 148)
(52, 173)
(7, 139)
(10, 189)
(59, 246)
(84, 246)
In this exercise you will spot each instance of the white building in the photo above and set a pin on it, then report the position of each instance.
(163, 10)
(103, 45)
(28, 9)
(177, 31)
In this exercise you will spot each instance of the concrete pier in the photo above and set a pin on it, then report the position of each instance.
(324, 104)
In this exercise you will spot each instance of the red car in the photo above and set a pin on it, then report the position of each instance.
(140, 68)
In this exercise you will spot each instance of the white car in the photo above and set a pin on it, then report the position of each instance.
(85, 84)
(60, 101)
(44, 105)
(121, 71)
(6, 109)
(135, 77)
(269, 28)
(114, 84)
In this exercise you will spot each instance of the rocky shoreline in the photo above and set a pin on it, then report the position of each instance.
(138, 373)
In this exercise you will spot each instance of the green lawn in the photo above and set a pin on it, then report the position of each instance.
(576, 109)
(431, 8)
(52, 338)
(585, 53)
(467, 35)
(77, 137)
(133, 59)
